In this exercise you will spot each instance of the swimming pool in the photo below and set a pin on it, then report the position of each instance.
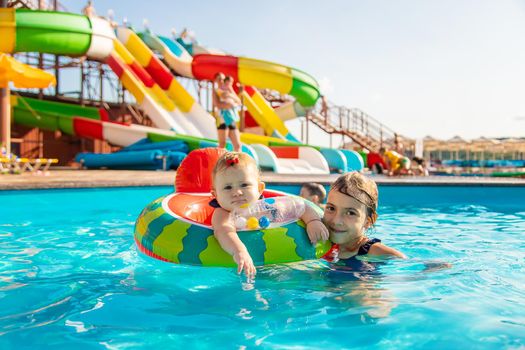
(70, 275)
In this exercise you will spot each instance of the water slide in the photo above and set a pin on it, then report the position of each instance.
(184, 64)
(163, 77)
(139, 55)
(74, 35)
(270, 119)
(92, 123)
(288, 110)
(246, 70)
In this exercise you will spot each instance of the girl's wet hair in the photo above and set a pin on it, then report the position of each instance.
(361, 188)
(234, 159)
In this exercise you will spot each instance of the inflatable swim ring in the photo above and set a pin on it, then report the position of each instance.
(177, 227)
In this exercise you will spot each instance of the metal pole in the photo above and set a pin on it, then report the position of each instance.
(199, 92)
(82, 77)
(209, 102)
(101, 73)
(41, 66)
(57, 72)
(5, 118)
(40, 144)
(302, 130)
(243, 114)
(307, 132)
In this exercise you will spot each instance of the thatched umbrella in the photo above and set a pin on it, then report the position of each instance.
(22, 76)
(457, 144)
(514, 146)
(431, 144)
(483, 144)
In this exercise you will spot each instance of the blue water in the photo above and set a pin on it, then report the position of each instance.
(70, 275)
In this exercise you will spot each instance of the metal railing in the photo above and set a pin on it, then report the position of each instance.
(355, 123)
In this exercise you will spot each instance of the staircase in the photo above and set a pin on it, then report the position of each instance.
(363, 129)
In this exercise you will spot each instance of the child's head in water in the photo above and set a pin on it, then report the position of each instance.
(351, 208)
(314, 192)
(236, 180)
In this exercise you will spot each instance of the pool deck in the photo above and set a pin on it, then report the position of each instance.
(66, 178)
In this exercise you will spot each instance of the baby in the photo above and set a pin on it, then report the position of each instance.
(226, 93)
(236, 183)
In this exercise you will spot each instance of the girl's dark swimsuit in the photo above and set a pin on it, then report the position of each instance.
(363, 250)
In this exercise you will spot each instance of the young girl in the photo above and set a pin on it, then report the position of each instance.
(236, 182)
(351, 210)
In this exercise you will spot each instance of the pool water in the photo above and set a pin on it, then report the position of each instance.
(70, 275)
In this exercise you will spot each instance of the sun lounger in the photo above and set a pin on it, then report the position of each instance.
(35, 165)
(17, 165)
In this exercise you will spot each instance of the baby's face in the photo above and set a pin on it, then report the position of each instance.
(234, 187)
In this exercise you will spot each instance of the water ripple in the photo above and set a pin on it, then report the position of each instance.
(80, 280)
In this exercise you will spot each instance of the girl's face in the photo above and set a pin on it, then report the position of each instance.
(236, 186)
(345, 217)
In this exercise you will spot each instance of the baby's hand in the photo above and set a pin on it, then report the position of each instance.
(244, 261)
(317, 231)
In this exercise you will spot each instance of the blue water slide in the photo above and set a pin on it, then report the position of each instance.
(248, 149)
(353, 159)
(336, 160)
(174, 46)
(174, 158)
(267, 159)
(149, 159)
(178, 146)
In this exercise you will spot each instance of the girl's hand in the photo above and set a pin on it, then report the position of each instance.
(317, 231)
(244, 261)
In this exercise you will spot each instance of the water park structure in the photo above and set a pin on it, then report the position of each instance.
(154, 118)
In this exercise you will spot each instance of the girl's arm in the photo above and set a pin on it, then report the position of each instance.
(381, 249)
(228, 238)
(315, 228)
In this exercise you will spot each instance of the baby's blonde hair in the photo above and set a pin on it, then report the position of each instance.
(234, 159)
(362, 189)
